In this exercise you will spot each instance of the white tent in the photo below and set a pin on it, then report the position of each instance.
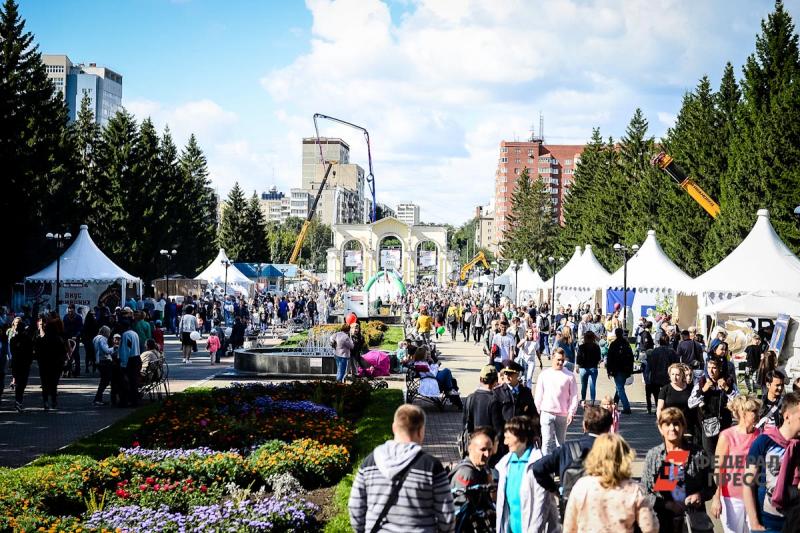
(214, 274)
(651, 275)
(85, 269)
(507, 281)
(762, 262)
(581, 280)
(529, 283)
(761, 304)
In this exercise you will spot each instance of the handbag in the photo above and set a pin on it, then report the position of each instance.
(711, 426)
(392, 500)
(697, 521)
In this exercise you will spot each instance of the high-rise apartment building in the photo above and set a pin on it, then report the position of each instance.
(408, 213)
(102, 85)
(275, 205)
(553, 164)
(485, 229)
(342, 201)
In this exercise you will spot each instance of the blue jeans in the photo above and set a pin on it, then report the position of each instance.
(445, 379)
(544, 345)
(341, 368)
(619, 381)
(587, 373)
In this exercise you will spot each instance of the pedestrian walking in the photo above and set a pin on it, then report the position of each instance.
(522, 504)
(605, 498)
(187, 326)
(587, 361)
(556, 397)
(342, 345)
(104, 354)
(399, 487)
(52, 351)
(21, 346)
(710, 396)
(620, 366)
(213, 346)
(656, 372)
(471, 484)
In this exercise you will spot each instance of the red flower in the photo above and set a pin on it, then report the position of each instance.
(122, 493)
(157, 486)
(149, 480)
(142, 487)
(135, 444)
(203, 488)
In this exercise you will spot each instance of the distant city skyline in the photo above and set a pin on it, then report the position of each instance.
(438, 84)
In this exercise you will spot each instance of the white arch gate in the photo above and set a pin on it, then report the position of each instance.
(370, 236)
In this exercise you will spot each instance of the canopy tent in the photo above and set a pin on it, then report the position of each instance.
(758, 305)
(651, 276)
(387, 284)
(529, 283)
(86, 269)
(215, 274)
(762, 262)
(581, 280)
(507, 281)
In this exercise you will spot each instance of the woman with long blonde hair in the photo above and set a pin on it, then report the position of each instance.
(606, 498)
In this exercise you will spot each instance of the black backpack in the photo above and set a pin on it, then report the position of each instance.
(572, 473)
(545, 326)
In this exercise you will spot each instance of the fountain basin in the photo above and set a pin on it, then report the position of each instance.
(279, 361)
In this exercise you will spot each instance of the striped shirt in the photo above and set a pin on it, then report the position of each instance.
(424, 502)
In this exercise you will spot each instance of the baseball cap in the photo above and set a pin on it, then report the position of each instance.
(488, 371)
(512, 368)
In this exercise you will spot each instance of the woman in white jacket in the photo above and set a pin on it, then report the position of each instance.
(522, 505)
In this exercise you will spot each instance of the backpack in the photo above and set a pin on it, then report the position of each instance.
(545, 325)
(572, 473)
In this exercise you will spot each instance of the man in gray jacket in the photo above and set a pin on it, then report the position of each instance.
(400, 488)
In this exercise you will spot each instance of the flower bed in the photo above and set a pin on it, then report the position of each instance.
(194, 463)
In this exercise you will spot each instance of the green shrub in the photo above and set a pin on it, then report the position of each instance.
(312, 463)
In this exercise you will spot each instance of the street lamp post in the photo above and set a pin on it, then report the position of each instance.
(516, 266)
(495, 264)
(168, 255)
(260, 267)
(797, 213)
(227, 264)
(552, 261)
(60, 239)
(625, 250)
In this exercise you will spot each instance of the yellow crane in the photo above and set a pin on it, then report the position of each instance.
(479, 258)
(665, 162)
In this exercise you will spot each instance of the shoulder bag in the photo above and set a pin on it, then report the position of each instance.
(399, 480)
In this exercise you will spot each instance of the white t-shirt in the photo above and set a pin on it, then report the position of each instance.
(504, 343)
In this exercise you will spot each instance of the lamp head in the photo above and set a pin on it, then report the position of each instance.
(173, 251)
(617, 247)
(163, 252)
(797, 212)
(551, 259)
(50, 236)
(68, 235)
(635, 247)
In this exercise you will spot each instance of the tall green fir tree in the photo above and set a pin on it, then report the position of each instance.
(198, 208)
(146, 239)
(699, 144)
(764, 163)
(254, 232)
(36, 153)
(532, 229)
(94, 198)
(233, 225)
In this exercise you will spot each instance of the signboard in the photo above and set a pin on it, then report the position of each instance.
(83, 295)
(427, 259)
(779, 333)
(352, 258)
(356, 302)
(390, 259)
(315, 362)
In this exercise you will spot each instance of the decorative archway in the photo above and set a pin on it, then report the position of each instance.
(427, 255)
(371, 237)
(352, 262)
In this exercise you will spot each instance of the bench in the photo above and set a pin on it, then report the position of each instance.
(155, 380)
(411, 391)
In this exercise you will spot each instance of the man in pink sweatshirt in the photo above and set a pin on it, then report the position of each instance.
(556, 397)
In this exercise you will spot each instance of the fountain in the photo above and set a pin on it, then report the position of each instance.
(314, 357)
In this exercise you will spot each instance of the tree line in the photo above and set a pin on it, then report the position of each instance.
(247, 236)
(740, 142)
(136, 191)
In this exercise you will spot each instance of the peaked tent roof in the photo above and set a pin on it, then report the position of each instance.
(762, 303)
(215, 272)
(529, 279)
(506, 278)
(566, 269)
(761, 262)
(84, 261)
(251, 270)
(651, 268)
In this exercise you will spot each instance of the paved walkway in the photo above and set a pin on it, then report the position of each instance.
(465, 359)
(25, 436)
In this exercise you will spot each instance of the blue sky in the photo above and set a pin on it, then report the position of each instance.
(439, 83)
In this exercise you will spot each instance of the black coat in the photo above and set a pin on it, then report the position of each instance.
(483, 409)
(658, 362)
(511, 406)
(620, 358)
(588, 355)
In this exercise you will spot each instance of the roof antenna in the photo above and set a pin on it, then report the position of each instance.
(541, 127)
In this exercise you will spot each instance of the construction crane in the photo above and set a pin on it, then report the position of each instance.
(665, 162)
(298, 245)
(479, 258)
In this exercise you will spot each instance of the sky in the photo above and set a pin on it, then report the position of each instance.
(438, 83)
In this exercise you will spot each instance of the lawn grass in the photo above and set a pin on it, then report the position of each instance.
(121, 433)
(374, 428)
(295, 339)
(390, 339)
